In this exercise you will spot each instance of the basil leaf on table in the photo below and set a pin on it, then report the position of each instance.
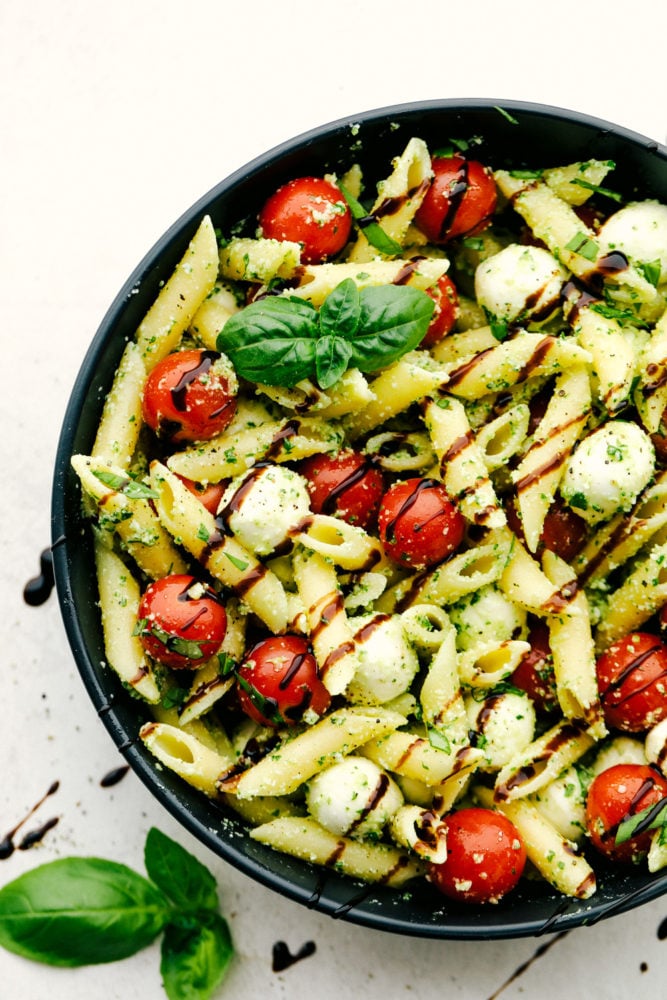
(83, 911)
(194, 960)
(282, 340)
(181, 877)
(80, 911)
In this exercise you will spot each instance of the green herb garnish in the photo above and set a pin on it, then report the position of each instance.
(282, 340)
(370, 227)
(84, 911)
(130, 488)
(651, 818)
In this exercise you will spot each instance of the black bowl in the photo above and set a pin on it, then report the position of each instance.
(510, 133)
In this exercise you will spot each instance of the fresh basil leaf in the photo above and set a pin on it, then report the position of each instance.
(332, 355)
(194, 961)
(656, 816)
(273, 338)
(123, 484)
(80, 911)
(341, 310)
(182, 877)
(370, 227)
(394, 320)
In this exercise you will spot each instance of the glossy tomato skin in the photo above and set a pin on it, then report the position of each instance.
(279, 680)
(485, 857)
(615, 795)
(563, 532)
(632, 681)
(346, 485)
(446, 312)
(210, 495)
(182, 622)
(419, 525)
(460, 201)
(310, 211)
(189, 396)
(535, 673)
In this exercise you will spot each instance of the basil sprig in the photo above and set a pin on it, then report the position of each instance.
(280, 340)
(651, 818)
(83, 911)
(370, 226)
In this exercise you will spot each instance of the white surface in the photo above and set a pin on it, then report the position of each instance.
(114, 118)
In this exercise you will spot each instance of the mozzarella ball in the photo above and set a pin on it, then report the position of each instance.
(264, 506)
(639, 230)
(656, 746)
(608, 471)
(487, 616)
(353, 798)
(620, 750)
(504, 725)
(563, 803)
(519, 283)
(387, 661)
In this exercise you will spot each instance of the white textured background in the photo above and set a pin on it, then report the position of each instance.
(114, 118)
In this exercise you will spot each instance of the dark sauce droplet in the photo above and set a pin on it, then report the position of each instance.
(7, 845)
(38, 590)
(36, 836)
(662, 930)
(283, 957)
(113, 777)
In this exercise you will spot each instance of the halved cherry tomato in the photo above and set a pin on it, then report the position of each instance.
(347, 485)
(190, 396)
(279, 680)
(615, 795)
(563, 532)
(535, 673)
(460, 201)
(632, 680)
(310, 211)
(210, 495)
(181, 621)
(446, 299)
(485, 857)
(419, 524)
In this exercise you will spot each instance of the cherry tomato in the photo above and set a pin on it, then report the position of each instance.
(615, 795)
(418, 523)
(632, 680)
(347, 485)
(485, 857)
(189, 396)
(460, 201)
(563, 532)
(310, 211)
(210, 496)
(182, 621)
(446, 312)
(279, 680)
(535, 673)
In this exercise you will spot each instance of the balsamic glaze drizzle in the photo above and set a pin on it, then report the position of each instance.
(38, 590)
(114, 776)
(8, 845)
(283, 957)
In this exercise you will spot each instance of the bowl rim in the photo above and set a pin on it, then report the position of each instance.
(352, 910)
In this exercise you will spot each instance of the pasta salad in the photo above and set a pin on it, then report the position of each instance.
(379, 507)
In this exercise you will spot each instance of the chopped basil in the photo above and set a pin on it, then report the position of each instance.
(130, 488)
(584, 246)
(614, 195)
(370, 227)
(657, 818)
